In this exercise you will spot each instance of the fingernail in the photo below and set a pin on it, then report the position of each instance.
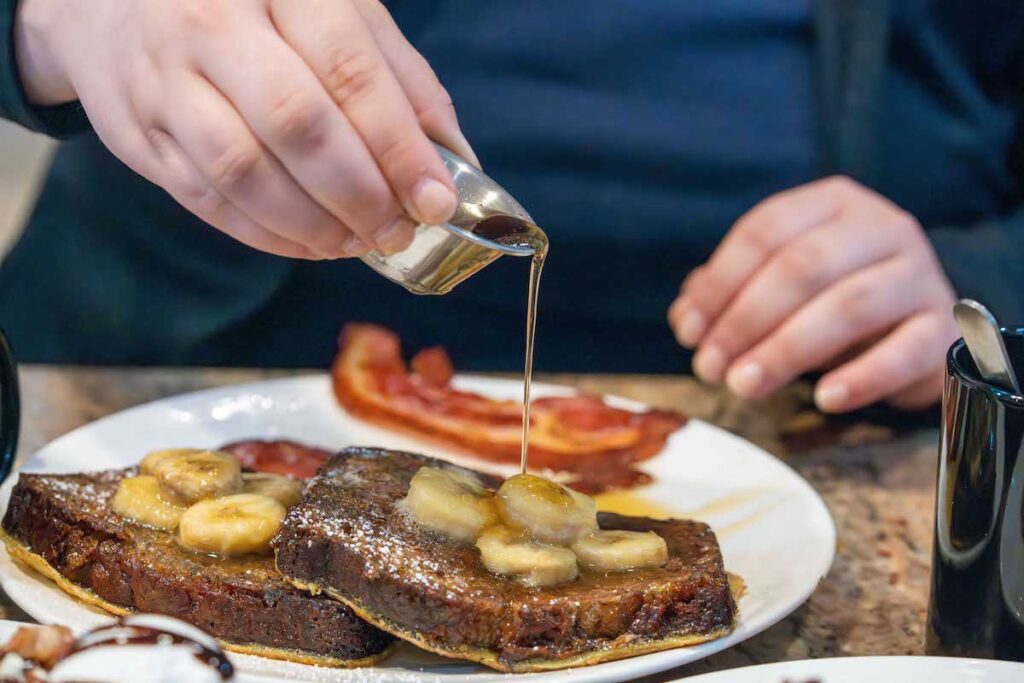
(831, 398)
(691, 328)
(434, 202)
(397, 236)
(744, 380)
(709, 364)
(355, 247)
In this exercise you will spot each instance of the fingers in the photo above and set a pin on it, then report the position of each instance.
(902, 365)
(190, 188)
(236, 168)
(337, 44)
(430, 101)
(752, 241)
(864, 304)
(793, 276)
(289, 111)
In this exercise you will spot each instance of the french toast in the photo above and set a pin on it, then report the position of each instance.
(62, 526)
(348, 538)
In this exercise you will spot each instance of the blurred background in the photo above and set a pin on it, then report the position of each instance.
(23, 158)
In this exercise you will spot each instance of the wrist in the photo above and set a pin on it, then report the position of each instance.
(41, 70)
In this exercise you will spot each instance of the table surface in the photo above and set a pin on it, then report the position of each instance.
(877, 479)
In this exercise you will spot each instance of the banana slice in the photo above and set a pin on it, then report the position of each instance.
(550, 512)
(240, 524)
(191, 476)
(613, 550)
(284, 490)
(142, 500)
(148, 464)
(450, 501)
(510, 552)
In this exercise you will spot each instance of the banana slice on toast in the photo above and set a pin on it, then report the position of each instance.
(142, 500)
(240, 524)
(191, 476)
(284, 490)
(548, 511)
(510, 552)
(452, 502)
(616, 550)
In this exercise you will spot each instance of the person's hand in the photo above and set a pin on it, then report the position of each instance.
(810, 277)
(299, 128)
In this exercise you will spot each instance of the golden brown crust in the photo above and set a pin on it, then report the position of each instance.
(630, 647)
(21, 554)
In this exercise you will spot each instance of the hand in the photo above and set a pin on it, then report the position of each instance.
(300, 128)
(807, 277)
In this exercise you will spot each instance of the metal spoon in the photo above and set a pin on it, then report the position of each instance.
(985, 343)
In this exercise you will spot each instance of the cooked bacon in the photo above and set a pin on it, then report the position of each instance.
(278, 457)
(433, 366)
(580, 433)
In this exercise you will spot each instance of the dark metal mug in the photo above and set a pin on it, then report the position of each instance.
(976, 607)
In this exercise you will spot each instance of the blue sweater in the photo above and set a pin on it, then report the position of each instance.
(634, 132)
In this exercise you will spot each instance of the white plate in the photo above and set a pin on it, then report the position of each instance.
(763, 512)
(874, 669)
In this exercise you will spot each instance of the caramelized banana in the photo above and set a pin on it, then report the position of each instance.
(284, 490)
(142, 500)
(191, 476)
(148, 464)
(240, 524)
(450, 501)
(511, 553)
(550, 512)
(613, 550)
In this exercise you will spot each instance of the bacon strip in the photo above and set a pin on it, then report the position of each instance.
(578, 434)
(278, 457)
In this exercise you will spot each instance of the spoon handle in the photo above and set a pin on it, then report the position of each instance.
(985, 343)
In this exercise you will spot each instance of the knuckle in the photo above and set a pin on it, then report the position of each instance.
(841, 184)
(804, 265)
(352, 74)
(366, 203)
(234, 165)
(699, 282)
(396, 152)
(331, 242)
(201, 15)
(756, 239)
(297, 119)
(786, 356)
(907, 226)
(858, 305)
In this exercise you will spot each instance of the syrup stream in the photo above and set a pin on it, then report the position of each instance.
(536, 266)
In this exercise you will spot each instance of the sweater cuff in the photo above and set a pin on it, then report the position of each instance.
(60, 121)
(983, 264)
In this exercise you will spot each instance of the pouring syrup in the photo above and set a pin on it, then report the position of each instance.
(512, 231)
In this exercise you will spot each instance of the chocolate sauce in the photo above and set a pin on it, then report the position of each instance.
(121, 633)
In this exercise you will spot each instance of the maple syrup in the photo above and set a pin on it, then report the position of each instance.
(512, 231)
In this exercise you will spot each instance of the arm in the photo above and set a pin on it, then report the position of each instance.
(58, 120)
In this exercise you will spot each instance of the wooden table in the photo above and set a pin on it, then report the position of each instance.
(877, 480)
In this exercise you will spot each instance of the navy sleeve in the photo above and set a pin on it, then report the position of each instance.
(60, 121)
(986, 262)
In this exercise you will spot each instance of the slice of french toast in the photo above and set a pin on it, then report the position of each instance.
(347, 538)
(61, 525)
